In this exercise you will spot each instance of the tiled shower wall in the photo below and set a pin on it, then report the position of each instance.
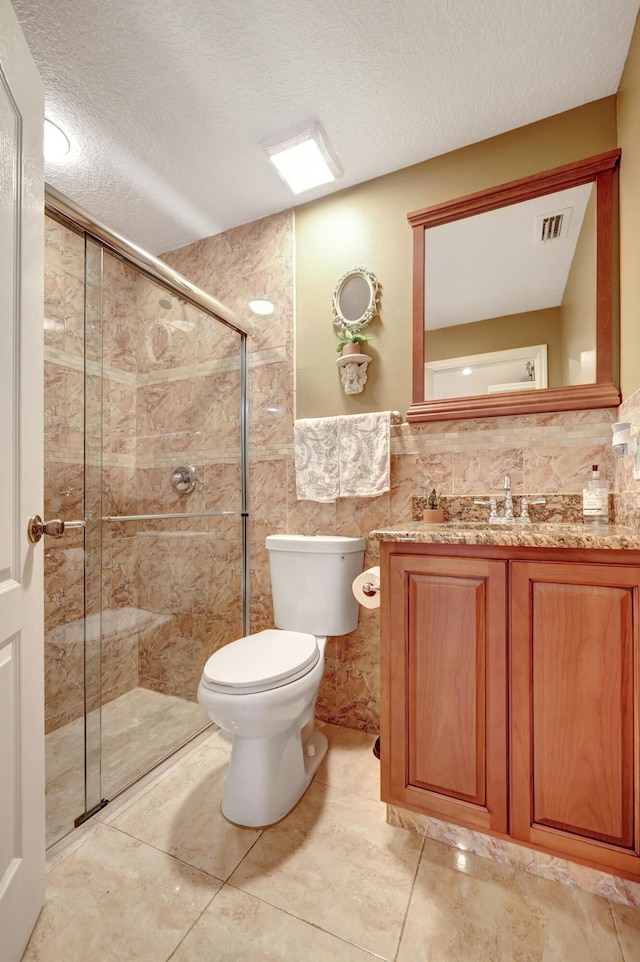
(545, 453)
(167, 394)
(190, 571)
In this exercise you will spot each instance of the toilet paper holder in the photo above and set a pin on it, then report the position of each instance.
(369, 589)
(366, 588)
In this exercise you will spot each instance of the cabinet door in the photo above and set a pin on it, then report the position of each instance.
(445, 676)
(574, 658)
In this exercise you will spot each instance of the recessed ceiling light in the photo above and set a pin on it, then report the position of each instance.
(303, 157)
(183, 325)
(261, 306)
(56, 142)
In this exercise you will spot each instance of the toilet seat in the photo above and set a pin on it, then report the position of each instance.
(260, 662)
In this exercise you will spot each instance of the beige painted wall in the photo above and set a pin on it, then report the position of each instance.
(366, 226)
(629, 141)
(501, 334)
(579, 302)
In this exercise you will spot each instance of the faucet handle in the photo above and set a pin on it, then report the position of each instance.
(525, 502)
(493, 506)
(506, 484)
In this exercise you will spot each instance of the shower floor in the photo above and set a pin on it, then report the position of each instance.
(138, 729)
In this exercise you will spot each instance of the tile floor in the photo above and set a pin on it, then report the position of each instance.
(134, 732)
(164, 877)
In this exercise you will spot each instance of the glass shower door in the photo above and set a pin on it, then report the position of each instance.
(172, 531)
(64, 491)
(144, 450)
(93, 469)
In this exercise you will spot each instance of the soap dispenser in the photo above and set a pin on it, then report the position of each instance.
(595, 499)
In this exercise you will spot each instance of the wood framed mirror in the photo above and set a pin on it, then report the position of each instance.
(529, 263)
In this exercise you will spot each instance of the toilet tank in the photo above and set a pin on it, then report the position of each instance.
(311, 578)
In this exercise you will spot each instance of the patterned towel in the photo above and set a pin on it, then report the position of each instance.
(315, 445)
(346, 457)
(363, 454)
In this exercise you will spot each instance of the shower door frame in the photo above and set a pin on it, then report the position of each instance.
(67, 213)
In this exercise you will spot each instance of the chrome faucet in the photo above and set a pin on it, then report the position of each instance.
(508, 499)
(507, 516)
(493, 502)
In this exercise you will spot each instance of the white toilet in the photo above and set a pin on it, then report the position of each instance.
(262, 689)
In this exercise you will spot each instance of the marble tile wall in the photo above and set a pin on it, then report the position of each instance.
(111, 435)
(256, 260)
(628, 490)
(175, 400)
(187, 412)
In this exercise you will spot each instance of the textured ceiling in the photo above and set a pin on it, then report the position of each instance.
(506, 268)
(167, 102)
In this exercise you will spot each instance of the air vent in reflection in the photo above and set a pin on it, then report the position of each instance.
(552, 226)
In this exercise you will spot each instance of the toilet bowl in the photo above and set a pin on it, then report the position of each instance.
(262, 689)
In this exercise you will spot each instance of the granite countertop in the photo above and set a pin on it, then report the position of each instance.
(534, 535)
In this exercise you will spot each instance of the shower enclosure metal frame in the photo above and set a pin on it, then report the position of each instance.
(66, 212)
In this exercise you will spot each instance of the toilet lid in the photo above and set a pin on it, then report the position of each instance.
(265, 660)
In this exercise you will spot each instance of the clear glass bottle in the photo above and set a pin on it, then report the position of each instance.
(595, 499)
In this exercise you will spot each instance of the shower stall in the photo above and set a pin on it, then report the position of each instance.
(145, 462)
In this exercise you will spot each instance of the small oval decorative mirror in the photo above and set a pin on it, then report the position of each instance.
(355, 299)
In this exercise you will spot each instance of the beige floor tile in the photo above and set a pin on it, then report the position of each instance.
(627, 921)
(468, 909)
(117, 899)
(350, 763)
(244, 929)
(153, 778)
(138, 729)
(181, 815)
(334, 862)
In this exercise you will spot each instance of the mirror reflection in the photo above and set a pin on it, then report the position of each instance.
(354, 297)
(494, 372)
(506, 286)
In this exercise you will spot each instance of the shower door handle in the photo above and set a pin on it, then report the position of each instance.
(36, 527)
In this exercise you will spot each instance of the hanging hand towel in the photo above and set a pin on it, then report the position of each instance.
(363, 454)
(315, 444)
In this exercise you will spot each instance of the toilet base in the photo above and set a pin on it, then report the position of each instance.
(267, 776)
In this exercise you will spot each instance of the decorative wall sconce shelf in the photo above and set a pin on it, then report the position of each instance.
(353, 372)
(356, 301)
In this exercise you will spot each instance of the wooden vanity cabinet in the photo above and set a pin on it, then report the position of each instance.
(574, 726)
(444, 742)
(511, 695)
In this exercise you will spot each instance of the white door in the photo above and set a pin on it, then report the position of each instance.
(22, 839)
